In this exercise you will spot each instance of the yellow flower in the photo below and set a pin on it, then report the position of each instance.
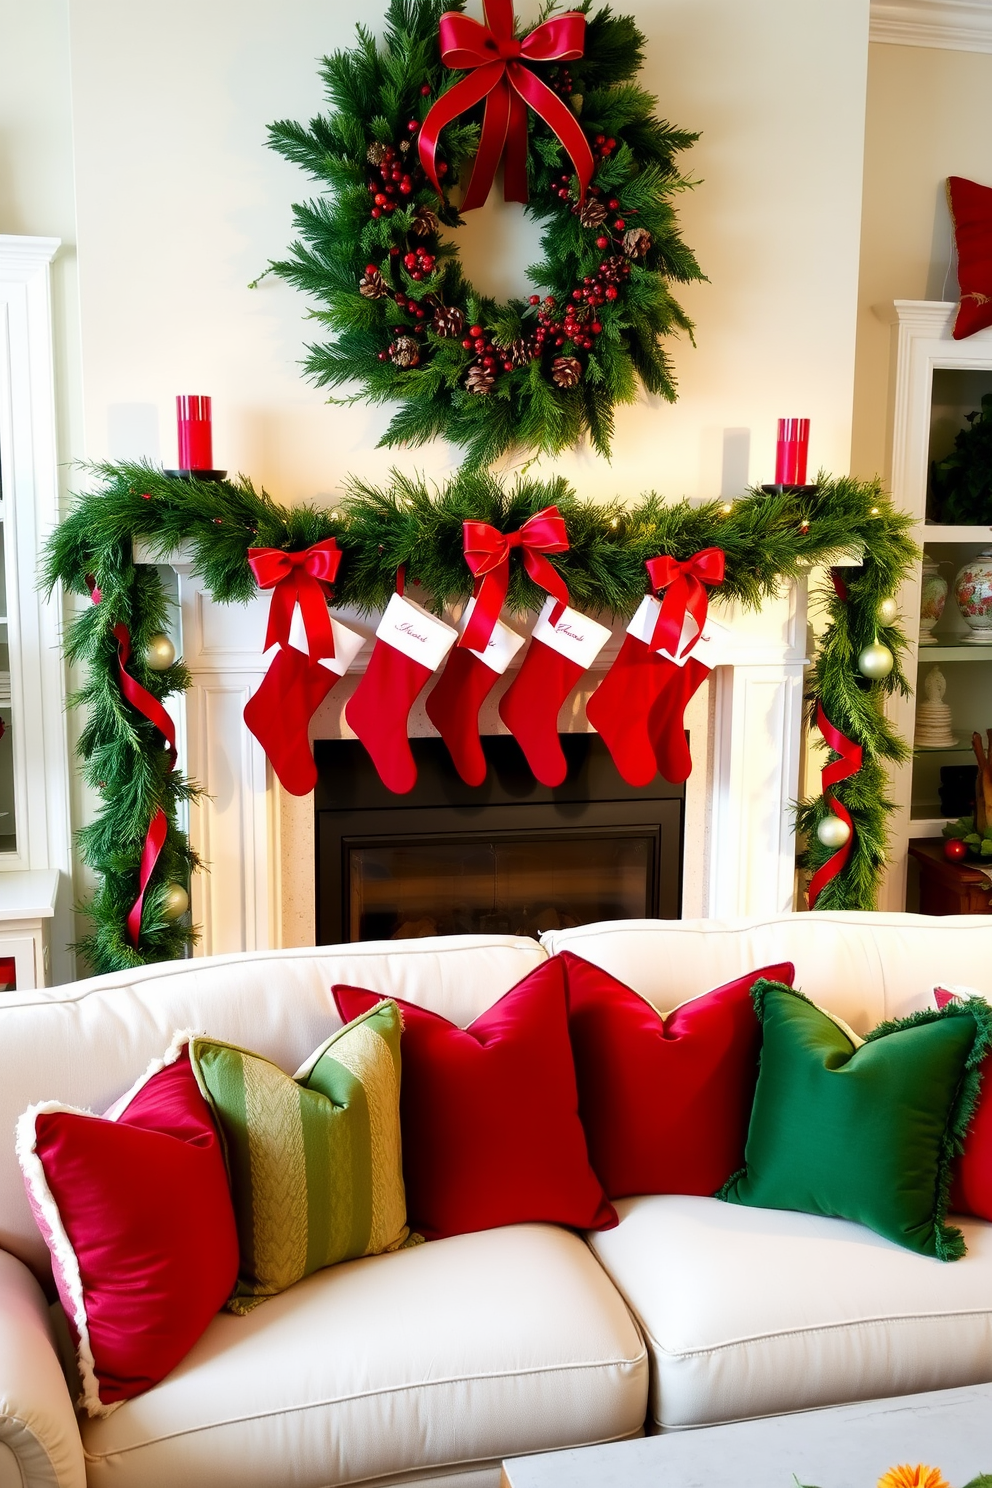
(913, 1477)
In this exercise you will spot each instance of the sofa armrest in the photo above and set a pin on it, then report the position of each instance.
(37, 1421)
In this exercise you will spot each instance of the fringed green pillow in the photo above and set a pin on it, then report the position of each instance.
(862, 1129)
(314, 1160)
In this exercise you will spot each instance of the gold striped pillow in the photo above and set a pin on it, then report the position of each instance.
(314, 1160)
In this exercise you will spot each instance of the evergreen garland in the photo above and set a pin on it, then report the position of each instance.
(767, 538)
(535, 373)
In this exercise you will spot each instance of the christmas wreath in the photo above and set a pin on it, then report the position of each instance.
(231, 529)
(417, 129)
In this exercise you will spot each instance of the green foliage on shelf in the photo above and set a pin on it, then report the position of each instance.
(962, 482)
(979, 844)
(399, 333)
(767, 538)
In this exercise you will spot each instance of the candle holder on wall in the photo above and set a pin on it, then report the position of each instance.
(195, 439)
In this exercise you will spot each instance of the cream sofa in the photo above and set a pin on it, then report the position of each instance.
(429, 1365)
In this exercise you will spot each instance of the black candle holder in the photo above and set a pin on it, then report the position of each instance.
(779, 490)
(204, 475)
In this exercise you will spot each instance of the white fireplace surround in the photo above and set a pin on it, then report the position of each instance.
(745, 729)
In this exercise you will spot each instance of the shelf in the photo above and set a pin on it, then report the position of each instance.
(942, 749)
(931, 532)
(954, 653)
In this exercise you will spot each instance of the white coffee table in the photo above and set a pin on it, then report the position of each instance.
(848, 1446)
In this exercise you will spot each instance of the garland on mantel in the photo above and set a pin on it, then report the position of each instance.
(766, 538)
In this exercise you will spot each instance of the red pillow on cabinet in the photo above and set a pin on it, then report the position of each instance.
(971, 213)
(665, 1102)
(136, 1211)
(489, 1113)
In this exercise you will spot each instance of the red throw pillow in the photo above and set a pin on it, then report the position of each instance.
(971, 1182)
(136, 1210)
(665, 1102)
(489, 1113)
(971, 213)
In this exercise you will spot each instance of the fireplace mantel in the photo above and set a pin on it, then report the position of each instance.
(745, 726)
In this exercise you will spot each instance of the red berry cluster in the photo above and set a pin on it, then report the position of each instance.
(486, 353)
(419, 264)
(562, 83)
(395, 179)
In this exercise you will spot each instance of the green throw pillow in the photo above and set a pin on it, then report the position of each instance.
(863, 1130)
(314, 1162)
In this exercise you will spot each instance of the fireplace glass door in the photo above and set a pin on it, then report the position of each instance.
(506, 884)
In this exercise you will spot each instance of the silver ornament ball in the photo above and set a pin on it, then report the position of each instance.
(833, 831)
(160, 653)
(888, 611)
(175, 902)
(876, 661)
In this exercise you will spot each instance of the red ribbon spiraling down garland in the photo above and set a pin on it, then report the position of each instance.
(684, 584)
(487, 553)
(494, 60)
(149, 707)
(841, 769)
(298, 578)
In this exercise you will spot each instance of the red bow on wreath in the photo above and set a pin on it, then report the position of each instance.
(494, 60)
(298, 578)
(684, 582)
(487, 553)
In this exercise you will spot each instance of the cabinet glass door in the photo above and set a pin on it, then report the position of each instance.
(8, 833)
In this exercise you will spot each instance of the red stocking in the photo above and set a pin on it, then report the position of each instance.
(280, 710)
(619, 708)
(558, 655)
(666, 721)
(279, 714)
(410, 646)
(467, 680)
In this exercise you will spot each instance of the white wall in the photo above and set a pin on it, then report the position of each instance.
(180, 205)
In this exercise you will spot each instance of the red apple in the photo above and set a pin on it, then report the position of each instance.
(954, 849)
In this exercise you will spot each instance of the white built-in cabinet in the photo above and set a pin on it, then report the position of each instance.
(935, 381)
(35, 833)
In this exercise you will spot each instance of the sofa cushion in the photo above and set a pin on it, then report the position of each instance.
(863, 1130)
(315, 1161)
(136, 1210)
(456, 1353)
(491, 1129)
(750, 1312)
(665, 1103)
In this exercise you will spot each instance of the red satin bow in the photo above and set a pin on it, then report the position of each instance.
(494, 60)
(684, 582)
(839, 769)
(297, 577)
(487, 553)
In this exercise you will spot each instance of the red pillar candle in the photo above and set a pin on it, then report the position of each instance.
(195, 437)
(791, 451)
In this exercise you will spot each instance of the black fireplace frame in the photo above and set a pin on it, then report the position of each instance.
(353, 808)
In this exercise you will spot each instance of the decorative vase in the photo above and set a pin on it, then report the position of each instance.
(973, 592)
(933, 595)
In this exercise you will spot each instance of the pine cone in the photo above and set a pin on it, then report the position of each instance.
(592, 213)
(479, 380)
(425, 223)
(373, 286)
(636, 242)
(376, 153)
(519, 352)
(405, 351)
(566, 371)
(448, 321)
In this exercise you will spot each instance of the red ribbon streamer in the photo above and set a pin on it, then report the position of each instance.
(298, 578)
(494, 60)
(149, 707)
(839, 769)
(684, 583)
(487, 553)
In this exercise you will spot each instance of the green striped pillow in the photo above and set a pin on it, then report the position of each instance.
(314, 1161)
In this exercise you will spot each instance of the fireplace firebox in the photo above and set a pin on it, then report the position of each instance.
(509, 856)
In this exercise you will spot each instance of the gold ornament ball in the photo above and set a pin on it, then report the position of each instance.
(876, 661)
(888, 611)
(175, 902)
(833, 831)
(160, 653)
